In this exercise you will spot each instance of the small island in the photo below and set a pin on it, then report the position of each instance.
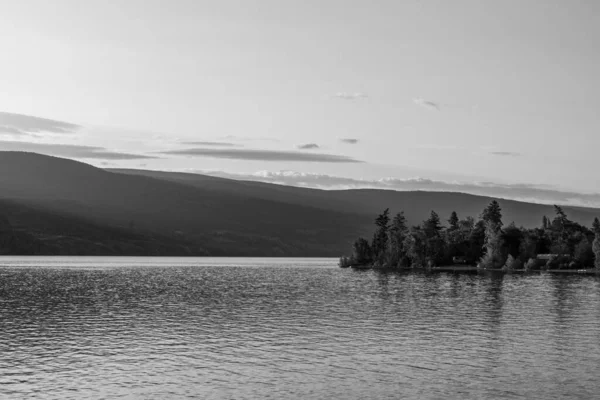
(558, 244)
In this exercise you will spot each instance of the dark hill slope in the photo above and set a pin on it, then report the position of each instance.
(416, 204)
(224, 217)
(32, 230)
(222, 223)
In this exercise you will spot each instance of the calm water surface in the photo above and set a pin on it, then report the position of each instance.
(161, 328)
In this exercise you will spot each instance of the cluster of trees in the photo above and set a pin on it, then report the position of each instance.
(485, 242)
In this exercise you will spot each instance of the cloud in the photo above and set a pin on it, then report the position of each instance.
(349, 140)
(542, 194)
(263, 155)
(427, 104)
(308, 146)
(215, 144)
(350, 96)
(505, 153)
(70, 151)
(250, 139)
(19, 124)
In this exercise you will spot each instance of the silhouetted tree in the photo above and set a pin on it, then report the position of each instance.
(493, 213)
(415, 245)
(380, 239)
(528, 246)
(511, 264)
(428, 244)
(398, 231)
(361, 253)
(596, 226)
(494, 255)
(596, 248)
(432, 225)
(453, 221)
(512, 237)
(584, 253)
(561, 219)
(545, 222)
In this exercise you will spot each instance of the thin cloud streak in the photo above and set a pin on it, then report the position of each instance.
(20, 124)
(505, 153)
(349, 140)
(263, 155)
(70, 151)
(522, 192)
(308, 146)
(250, 139)
(215, 144)
(350, 96)
(427, 104)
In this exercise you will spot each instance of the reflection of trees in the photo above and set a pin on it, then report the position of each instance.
(564, 296)
(493, 300)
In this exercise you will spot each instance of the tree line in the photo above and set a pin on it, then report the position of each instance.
(484, 242)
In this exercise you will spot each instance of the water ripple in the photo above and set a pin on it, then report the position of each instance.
(180, 328)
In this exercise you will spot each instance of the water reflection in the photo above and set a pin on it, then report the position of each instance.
(281, 330)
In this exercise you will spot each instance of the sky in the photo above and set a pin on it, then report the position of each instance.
(402, 94)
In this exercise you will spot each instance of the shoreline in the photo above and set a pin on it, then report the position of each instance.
(472, 269)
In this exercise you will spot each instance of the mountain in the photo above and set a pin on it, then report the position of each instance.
(417, 205)
(196, 214)
(222, 223)
(31, 230)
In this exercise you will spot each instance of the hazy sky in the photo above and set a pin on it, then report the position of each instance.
(498, 91)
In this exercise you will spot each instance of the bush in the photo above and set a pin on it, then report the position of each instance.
(531, 264)
(558, 262)
(346, 262)
(512, 264)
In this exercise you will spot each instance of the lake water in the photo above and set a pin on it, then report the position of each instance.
(168, 328)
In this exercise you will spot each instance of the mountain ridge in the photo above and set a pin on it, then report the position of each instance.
(225, 217)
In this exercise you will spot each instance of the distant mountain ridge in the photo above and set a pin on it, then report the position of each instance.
(416, 204)
(217, 216)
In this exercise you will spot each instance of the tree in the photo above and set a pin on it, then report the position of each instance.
(380, 238)
(494, 255)
(434, 243)
(545, 223)
(584, 253)
(596, 226)
(361, 253)
(528, 245)
(511, 264)
(415, 245)
(512, 237)
(453, 221)
(561, 217)
(493, 213)
(397, 233)
(476, 241)
(466, 224)
(398, 224)
(596, 250)
(432, 225)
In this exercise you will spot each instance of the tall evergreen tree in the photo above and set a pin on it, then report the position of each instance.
(596, 243)
(361, 253)
(493, 214)
(432, 225)
(596, 250)
(398, 231)
(596, 226)
(561, 222)
(380, 238)
(453, 221)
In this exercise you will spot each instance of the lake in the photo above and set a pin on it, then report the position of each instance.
(169, 328)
